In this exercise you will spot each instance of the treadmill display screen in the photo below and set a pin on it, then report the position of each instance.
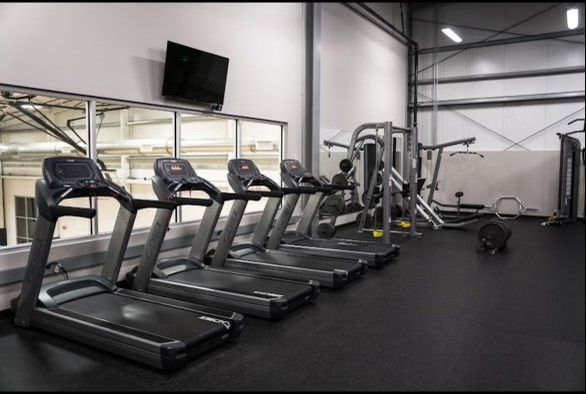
(293, 167)
(243, 168)
(174, 169)
(73, 171)
(61, 171)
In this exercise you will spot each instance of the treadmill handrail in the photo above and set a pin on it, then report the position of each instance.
(202, 202)
(88, 213)
(142, 204)
(241, 196)
(340, 187)
(299, 190)
(49, 197)
(267, 193)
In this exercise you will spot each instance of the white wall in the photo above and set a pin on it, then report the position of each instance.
(363, 73)
(537, 159)
(117, 50)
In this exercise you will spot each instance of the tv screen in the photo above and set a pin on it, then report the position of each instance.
(194, 75)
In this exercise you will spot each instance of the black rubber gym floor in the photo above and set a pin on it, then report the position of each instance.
(441, 318)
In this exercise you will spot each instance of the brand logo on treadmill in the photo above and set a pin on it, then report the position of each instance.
(245, 167)
(264, 293)
(347, 243)
(222, 322)
(176, 167)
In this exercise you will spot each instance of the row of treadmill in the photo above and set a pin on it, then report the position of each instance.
(167, 311)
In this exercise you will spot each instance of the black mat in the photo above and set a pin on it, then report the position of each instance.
(441, 318)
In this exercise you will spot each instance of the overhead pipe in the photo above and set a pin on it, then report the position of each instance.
(131, 122)
(125, 147)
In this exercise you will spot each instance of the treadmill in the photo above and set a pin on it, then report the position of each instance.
(295, 176)
(189, 278)
(92, 309)
(253, 257)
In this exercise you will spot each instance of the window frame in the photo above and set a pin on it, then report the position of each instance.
(28, 217)
(91, 129)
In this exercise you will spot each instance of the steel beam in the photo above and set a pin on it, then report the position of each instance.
(389, 163)
(507, 75)
(522, 98)
(505, 41)
(548, 127)
(312, 86)
(522, 21)
(372, 16)
(480, 125)
(485, 29)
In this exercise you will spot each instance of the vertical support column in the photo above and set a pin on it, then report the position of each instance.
(410, 75)
(229, 233)
(312, 94)
(310, 212)
(388, 160)
(312, 87)
(207, 225)
(284, 133)
(413, 180)
(405, 159)
(124, 135)
(118, 244)
(265, 223)
(92, 153)
(238, 136)
(434, 112)
(289, 204)
(152, 248)
(177, 134)
(177, 154)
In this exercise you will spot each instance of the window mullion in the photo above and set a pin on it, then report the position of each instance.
(92, 153)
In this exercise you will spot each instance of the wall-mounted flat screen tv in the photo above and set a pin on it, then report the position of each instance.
(194, 75)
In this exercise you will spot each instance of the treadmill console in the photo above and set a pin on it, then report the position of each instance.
(174, 175)
(244, 169)
(73, 177)
(174, 170)
(243, 173)
(66, 172)
(293, 174)
(294, 168)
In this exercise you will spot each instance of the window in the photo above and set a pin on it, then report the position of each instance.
(33, 127)
(261, 143)
(129, 139)
(26, 218)
(207, 143)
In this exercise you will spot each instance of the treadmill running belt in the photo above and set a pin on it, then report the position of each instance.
(346, 245)
(140, 315)
(244, 284)
(292, 260)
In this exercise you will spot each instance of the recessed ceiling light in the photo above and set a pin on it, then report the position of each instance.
(30, 107)
(573, 18)
(450, 33)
